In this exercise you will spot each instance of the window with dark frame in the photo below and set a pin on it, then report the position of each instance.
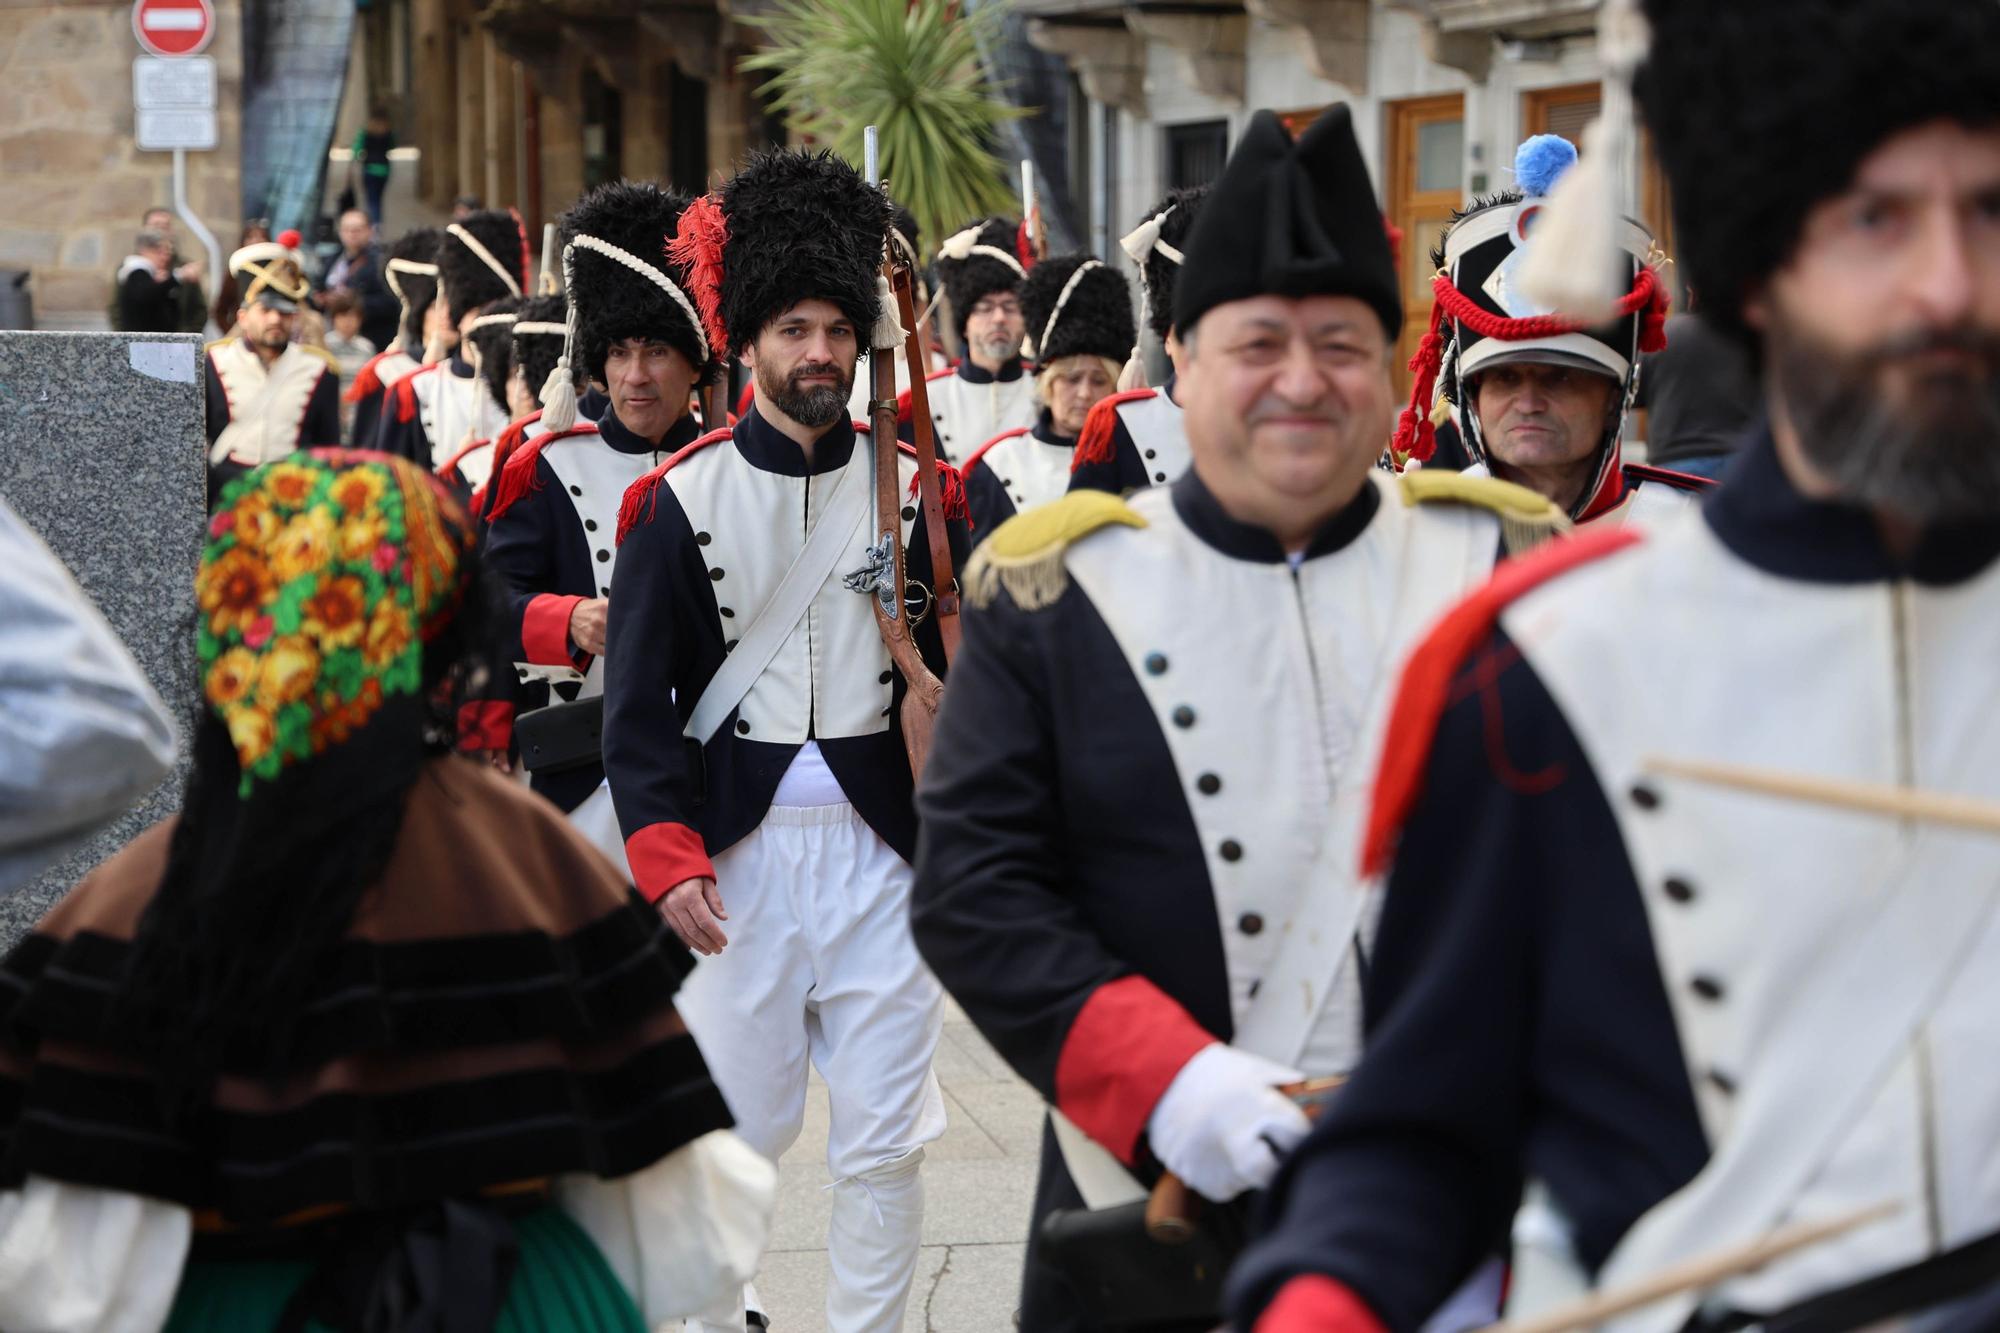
(1195, 152)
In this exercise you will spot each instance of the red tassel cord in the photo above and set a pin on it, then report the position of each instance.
(1415, 436)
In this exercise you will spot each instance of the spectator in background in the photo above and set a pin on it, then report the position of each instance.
(1700, 397)
(149, 286)
(371, 159)
(351, 349)
(465, 204)
(227, 297)
(191, 313)
(358, 271)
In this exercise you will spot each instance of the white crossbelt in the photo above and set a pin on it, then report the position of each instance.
(845, 511)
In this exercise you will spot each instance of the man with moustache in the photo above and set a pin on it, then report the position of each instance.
(1154, 749)
(989, 391)
(1541, 399)
(752, 727)
(552, 514)
(1630, 950)
(267, 395)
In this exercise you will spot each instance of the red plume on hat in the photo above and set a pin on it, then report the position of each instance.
(697, 246)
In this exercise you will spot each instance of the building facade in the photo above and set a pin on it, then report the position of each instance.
(1441, 90)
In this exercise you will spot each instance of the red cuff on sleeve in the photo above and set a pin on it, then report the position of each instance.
(1127, 1043)
(485, 724)
(662, 855)
(545, 629)
(1317, 1304)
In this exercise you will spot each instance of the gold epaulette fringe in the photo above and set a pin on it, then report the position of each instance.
(1025, 554)
(1527, 518)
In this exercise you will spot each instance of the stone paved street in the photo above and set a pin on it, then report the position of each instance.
(979, 1181)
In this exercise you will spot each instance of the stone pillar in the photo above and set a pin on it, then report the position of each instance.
(502, 127)
(469, 141)
(435, 78)
(562, 140)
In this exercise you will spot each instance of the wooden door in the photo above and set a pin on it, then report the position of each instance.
(1426, 172)
(1566, 111)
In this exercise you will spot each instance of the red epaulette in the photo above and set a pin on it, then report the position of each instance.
(903, 399)
(1424, 689)
(366, 379)
(980, 452)
(510, 438)
(1098, 442)
(514, 476)
(951, 486)
(406, 391)
(1680, 481)
(643, 494)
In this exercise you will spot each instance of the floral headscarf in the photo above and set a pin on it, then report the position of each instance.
(323, 577)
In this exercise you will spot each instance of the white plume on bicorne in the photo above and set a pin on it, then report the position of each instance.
(959, 245)
(559, 390)
(1573, 265)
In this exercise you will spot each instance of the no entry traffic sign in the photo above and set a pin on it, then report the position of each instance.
(173, 27)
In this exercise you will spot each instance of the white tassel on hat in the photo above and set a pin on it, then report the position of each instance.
(1138, 244)
(1573, 265)
(959, 245)
(888, 334)
(559, 390)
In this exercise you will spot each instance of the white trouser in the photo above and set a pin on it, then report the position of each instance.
(598, 823)
(820, 964)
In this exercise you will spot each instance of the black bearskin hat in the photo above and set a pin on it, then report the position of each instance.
(1176, 213)
(975, 263)
(1301, 221)
(495, 343)
(614, 302)
(537, 349)
(467, 279)
(1095, 320)
(791, 226)
(415, 288)
(1761, 111)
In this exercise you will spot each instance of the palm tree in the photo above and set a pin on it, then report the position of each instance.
(909, 67)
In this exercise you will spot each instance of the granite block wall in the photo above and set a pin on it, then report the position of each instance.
(102, 451)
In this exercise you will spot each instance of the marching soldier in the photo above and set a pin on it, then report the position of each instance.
(1080, 313)
(1542, 400)
(411, 272)
(989, 390)
(489, 347)
(753, 737)
(1136, 437)
(267, 395)
(439, 408)
(1703, 959)
(1155, 744)
(553, 513)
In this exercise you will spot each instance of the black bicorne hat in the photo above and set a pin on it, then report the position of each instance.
(615, 301)
(791, 226)
(1075, 305)
(1759, 111)
(483, 257)
(1291, 219)
(977, 262)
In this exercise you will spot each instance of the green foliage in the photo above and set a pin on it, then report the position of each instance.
(911, 68)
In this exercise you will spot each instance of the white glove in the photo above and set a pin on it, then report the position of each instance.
(1222, 1126)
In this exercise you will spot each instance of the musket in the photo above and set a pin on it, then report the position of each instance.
(1965, 812)
(1694, 1274)
(890, 601)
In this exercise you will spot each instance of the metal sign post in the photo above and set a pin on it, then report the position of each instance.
(173, 103)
